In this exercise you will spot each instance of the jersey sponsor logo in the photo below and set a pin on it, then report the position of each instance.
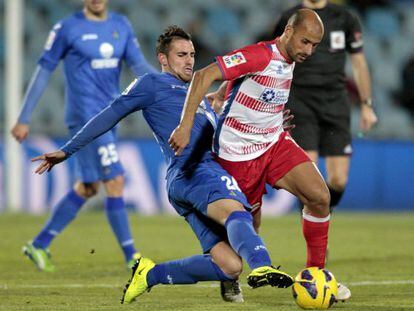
(272, 96)
(337, 40)
(106, 50)
(104, 63)
(234, 59)
(89, 36)
(130, 86)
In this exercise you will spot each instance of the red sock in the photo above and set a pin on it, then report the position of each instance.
(315, 231)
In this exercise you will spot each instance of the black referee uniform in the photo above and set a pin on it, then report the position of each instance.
(318, 96)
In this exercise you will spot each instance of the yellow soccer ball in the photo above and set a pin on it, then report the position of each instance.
(315, 289)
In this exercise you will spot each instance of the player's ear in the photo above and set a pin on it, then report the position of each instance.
(288, 31)
(162, 59)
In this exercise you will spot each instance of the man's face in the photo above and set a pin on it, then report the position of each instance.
(302, 42)
(96, 6)
(180, 59)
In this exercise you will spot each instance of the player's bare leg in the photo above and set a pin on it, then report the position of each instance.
(305, 181)
(257, 219)
(86, 190)
(307, 184)
(231, 264)
(337, 169)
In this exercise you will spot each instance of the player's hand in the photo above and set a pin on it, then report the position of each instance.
(49, 160)
(20, 131)
(216, 101)
(368, 118)
(287, 118)
(180, 138)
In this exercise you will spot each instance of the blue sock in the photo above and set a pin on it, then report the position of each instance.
(118, 218)
(63, 213)
(245, 241)
(188, 270)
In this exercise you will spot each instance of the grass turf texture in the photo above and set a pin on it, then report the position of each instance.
(91, 273)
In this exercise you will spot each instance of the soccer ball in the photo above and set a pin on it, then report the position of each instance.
(315, 288)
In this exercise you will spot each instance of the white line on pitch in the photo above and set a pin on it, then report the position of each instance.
(102, 285)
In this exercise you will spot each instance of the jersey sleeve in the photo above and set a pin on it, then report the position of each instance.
(55, 47)
(247, 60)
(139, 95)
(354, 42)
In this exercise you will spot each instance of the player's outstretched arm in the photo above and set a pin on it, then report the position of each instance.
(199, 86)
(49, 160)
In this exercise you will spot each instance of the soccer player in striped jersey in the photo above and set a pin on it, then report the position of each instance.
(249, 141)
(92, 44)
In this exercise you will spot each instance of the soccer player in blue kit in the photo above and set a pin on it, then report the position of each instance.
(92, 44)
(199, 189)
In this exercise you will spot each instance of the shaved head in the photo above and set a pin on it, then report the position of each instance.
(306, 18)
(303, 32)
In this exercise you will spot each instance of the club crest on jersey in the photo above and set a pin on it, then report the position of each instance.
(115, 34)
(234, 59)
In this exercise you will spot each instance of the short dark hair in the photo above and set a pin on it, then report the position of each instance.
(170, 33)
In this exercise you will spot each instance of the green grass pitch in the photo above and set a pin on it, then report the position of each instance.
(372, 253)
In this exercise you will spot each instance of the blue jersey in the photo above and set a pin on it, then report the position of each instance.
(92, 52)
(161, 98)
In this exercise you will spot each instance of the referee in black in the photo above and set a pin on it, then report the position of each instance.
(318, 97)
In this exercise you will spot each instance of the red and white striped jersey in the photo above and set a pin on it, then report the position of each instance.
(252, 119)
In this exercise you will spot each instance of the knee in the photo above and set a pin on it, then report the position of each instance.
(232, 268)
(338, 182)
(319, 201)
(86, 190)
(115, 187)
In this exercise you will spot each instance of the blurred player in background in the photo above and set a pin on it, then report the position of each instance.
(198, 188)
(92, 44)
(318, 96)
(249, 141)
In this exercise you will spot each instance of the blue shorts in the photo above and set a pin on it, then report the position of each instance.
(99, 160)
(191, 193)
